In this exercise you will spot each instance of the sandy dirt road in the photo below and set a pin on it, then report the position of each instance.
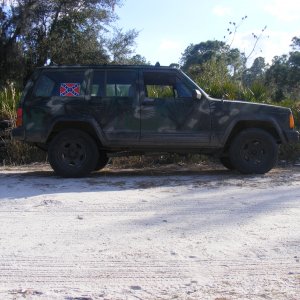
(165, 234)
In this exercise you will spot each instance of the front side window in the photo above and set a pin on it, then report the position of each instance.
(164, 85)
(60, 84)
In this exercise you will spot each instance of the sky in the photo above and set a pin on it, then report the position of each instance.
(167, 27)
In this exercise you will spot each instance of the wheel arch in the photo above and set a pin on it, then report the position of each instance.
(88, 126)
(268, 125)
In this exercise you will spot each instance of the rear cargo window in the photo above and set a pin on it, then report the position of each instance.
(60, 84)
(44, 86)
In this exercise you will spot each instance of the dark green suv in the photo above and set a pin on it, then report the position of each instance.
(82, 115)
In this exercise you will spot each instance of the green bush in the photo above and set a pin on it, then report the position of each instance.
(14, 152)
(295, 107)
(9, 99)
(291, 152)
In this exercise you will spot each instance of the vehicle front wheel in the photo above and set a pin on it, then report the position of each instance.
(253, 151)
(73, 153)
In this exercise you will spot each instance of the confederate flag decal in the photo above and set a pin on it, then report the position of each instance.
(69, 89)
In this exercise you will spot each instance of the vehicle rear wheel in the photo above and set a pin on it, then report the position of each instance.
(73, 153)
(253, 151)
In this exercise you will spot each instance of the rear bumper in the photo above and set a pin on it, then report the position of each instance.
(18, 134)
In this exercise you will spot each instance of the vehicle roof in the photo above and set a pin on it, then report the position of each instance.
(106, 66)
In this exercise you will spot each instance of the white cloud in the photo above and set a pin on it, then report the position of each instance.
(221, 11)
(287, 10)
(277, 44)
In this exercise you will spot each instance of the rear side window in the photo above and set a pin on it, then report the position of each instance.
(98, 84)
(60, 84)
(120, 84)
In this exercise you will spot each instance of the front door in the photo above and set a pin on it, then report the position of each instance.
(169, 114)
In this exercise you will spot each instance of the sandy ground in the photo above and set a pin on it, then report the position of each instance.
(152, 234)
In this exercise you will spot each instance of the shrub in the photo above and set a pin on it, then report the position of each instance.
(9, 99)
(14, 152)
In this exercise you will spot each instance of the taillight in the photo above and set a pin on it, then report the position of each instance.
(292, 121)
(19, 121)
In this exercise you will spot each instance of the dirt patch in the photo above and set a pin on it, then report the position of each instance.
(167, 233)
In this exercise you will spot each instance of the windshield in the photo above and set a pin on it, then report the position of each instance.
(194, 84)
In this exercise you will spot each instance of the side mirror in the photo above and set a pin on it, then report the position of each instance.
(196, 94)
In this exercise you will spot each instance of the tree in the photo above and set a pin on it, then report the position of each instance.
(219, 51)
(283, 76)
(294, 63)
(137, 60)
(13, 24)
(62, 31)
(120, 45)
(295, 43)
(256, 72)
(214, 78)
(202, 52)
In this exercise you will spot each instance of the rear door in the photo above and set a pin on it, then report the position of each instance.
(114, 103)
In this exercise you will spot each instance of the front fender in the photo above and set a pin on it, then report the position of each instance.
(258, 122)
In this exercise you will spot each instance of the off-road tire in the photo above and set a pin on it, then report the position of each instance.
(253, 151)
(73, 153)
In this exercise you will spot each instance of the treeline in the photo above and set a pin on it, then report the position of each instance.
(223, 72)
(36, 32)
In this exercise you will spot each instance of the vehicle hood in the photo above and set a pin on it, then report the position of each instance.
(226, 113)
(237, 107)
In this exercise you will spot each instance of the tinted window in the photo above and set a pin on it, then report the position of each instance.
(118, 84)
(60, 83)
(44, 86)
(165, 85)
(98, 84)
(121, 84)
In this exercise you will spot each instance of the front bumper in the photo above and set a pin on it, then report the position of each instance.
(292, 136)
